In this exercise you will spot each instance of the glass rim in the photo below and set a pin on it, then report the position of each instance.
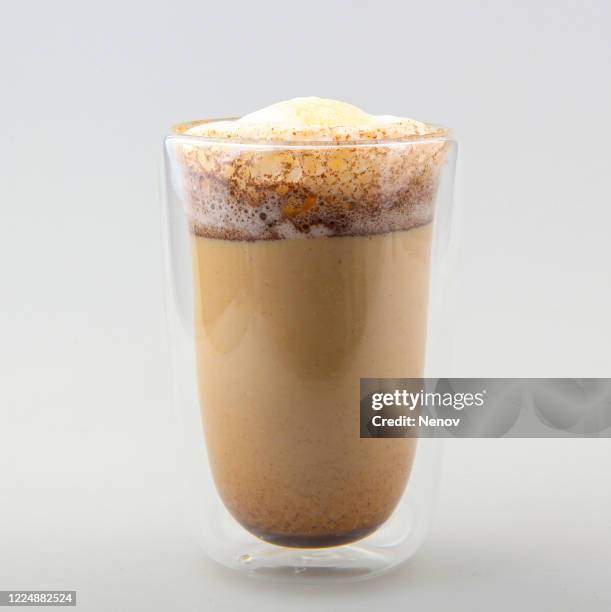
(177, 132)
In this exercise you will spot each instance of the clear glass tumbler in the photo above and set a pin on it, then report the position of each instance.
(294, 270)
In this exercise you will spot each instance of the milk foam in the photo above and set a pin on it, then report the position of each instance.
(239, 191)
(314, 119)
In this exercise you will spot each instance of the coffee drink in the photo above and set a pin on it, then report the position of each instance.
(311, 240)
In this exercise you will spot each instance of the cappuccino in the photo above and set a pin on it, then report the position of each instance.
(311, 240)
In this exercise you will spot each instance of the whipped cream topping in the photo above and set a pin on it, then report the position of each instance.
(312, 119)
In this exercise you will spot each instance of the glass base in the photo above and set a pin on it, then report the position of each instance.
(393, 543)
(348, 563)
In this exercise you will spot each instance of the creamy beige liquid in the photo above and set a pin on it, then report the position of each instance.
(284, 331)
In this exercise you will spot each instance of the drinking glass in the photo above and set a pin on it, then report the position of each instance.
(275, 312)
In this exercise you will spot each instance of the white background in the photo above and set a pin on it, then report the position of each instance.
(87, 454)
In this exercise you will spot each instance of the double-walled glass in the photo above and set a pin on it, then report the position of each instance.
(295, 270)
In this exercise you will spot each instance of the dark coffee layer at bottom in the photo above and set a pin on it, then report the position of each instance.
(292, 540)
